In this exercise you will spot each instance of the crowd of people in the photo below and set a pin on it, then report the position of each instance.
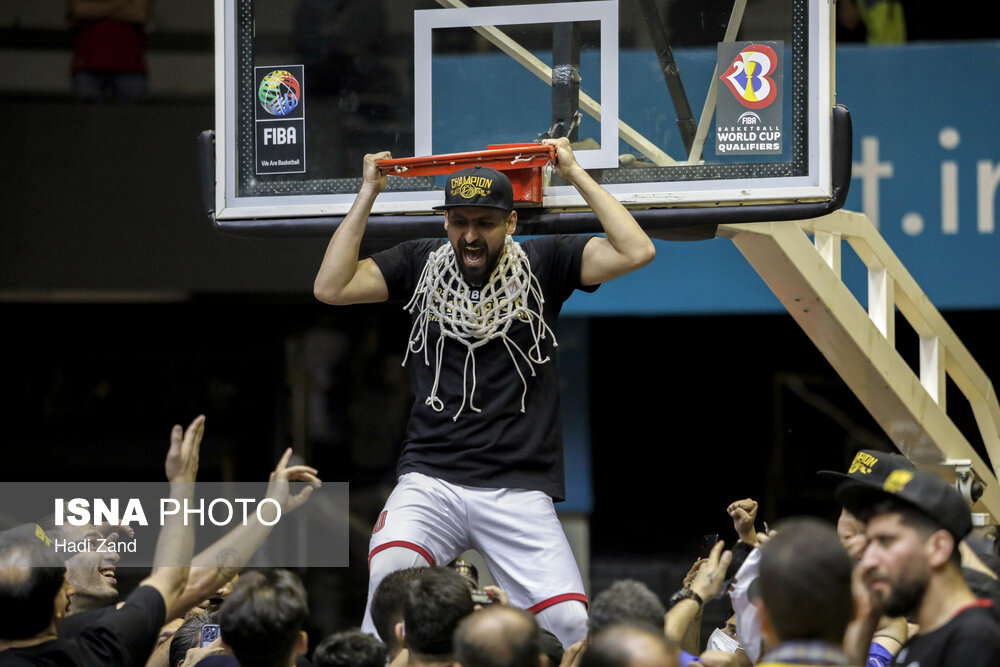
(896, 582)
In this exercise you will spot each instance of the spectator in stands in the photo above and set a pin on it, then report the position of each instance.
(628, 646)
(109, 49)
(35, 592)
(806, 600)
(869, 466)
(351, 648)
(744, 515)
(911, 567)
(263, 621)
(499, 636)
(435, 604)
(388, 603)
(92, 574)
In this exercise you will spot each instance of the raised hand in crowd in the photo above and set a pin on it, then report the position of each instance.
(175, 544)
(852, 534)
(687, 603)
(278, 483)
(212, 568)
(744, 514)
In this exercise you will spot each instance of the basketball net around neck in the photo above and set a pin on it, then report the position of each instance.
(442, 296)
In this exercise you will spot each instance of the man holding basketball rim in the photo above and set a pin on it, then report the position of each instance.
(482, 462)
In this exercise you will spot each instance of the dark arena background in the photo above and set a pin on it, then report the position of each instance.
(123, 312)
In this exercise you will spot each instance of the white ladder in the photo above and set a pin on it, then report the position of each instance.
(805, 274)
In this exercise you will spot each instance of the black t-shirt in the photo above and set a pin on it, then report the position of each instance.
(984, 587)
(124, 636)
(499, 447)
(970, 639)
(74, 624)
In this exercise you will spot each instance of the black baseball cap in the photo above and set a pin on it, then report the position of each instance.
(478, 186)
(922, 490)
(871, 466)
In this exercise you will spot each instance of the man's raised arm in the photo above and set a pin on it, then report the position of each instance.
(627, 247)
(221, 561)
(175, 544)
(342, 279)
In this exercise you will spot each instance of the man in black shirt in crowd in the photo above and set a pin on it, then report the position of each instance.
(912, 567)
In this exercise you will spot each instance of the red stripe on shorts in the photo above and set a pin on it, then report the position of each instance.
(400, 543)
(565, 597)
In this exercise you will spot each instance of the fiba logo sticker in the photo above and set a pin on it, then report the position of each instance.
(279, 92)
(279, 116)
(753, 74)
(749, 76)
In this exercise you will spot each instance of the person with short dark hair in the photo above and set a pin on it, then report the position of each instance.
(387, 605)
(806, 600)
(435, 604)
(263, 620)
(628, 646)
(351, 648)
(911, 567)
(499, 636)
(626, 601)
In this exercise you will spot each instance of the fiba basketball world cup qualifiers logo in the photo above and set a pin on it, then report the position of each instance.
(279, 93)
(749, 122)
(749, 76)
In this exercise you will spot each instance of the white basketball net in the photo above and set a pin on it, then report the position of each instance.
(442, 296)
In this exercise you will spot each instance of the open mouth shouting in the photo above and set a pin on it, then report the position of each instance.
(474, 255)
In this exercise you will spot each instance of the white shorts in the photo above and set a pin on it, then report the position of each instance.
(516, 531)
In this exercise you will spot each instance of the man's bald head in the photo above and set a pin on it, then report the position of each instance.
(498, 636)
(628, 646)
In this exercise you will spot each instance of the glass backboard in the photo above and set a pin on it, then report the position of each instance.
(685, 103)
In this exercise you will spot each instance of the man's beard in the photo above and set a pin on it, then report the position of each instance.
(904, 596)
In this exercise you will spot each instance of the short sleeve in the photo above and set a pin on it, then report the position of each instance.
(401, 265)
(557, 261)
